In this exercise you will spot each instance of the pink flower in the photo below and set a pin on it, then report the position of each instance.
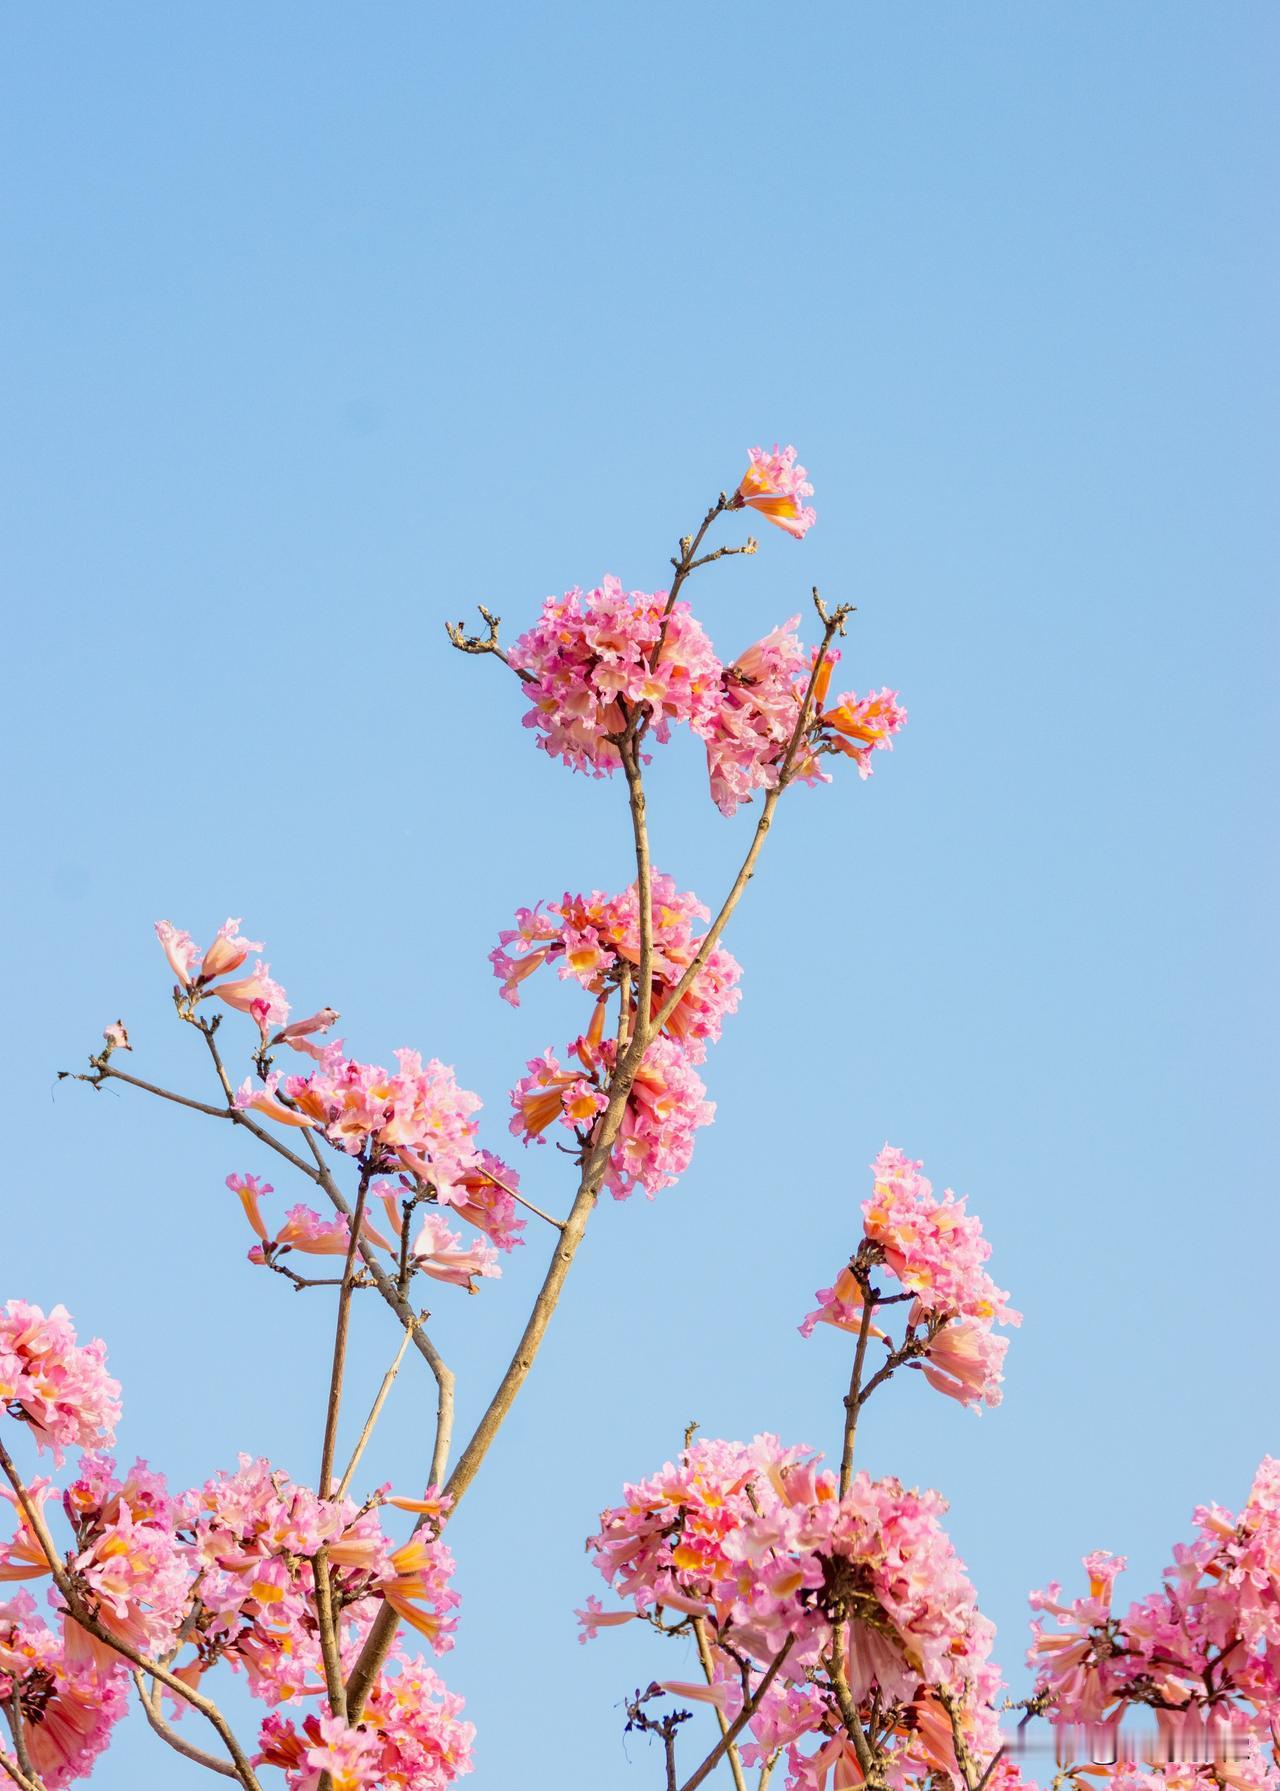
(57, 1386)
(863, 724)
(964, 1361)
(227, 952)
(117, 1038)
(180, 949)
(250, 1190)
(773, 484)
(349, 1756)
(250, 1097)
(594, 659)
(257, 995)
(438, 1252)
(298, 1035)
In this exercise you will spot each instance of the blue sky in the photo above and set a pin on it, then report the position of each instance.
(322, 324)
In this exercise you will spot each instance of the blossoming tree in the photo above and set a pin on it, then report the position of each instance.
(838, 1637)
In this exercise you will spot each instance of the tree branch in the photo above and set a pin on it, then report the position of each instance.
(740, 1722)
(171, 1737)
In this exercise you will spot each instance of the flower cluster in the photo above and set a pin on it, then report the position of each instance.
(936, 1251)
(59, 1387)
(756, 718)
(415, 1119)
(754, 1542)
(595, 940)
(1206, 1645)
(595, 659)
(411, 1736)
(254, 1534)
(65, 1708)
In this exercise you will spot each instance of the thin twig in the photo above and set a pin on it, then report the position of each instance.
(834, 624)
(170, 1735)
(375, 1412)
(852, 1403)
(708, 1672)
(740, 1722)
(334, 1408)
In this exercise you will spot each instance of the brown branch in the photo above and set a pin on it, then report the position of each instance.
(13, 1770)
(236, 1115)
(740, 1722)
(79, 1614)
(486, 643)
(630, 754)
(871, 1764)
(375, 1412)
(171, 1737)
(704, 1656)
(833, 624)
(341, 1329)
(330, 1652)
(852, 1403)
(13, 1715)
(444, 1377)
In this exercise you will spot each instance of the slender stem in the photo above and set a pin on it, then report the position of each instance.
(704, 1656)
(329, 1650)
(444, 1377)
(375, 1412)
(630, 753)
(91, 1625)
(170, 1735)
(852, 1402)
(341, 1330)
(747, 870)
(12, 1770)
(870, 1763)
(740, 1722)
(13, 1713)
(236, 1115)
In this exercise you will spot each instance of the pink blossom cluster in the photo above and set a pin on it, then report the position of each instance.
(1207, 1643)
(253, 1535)
(666, 1105)
(596, 658)
(936, 1251)
(411, 1736)
(595, 940)
(415, 1119)
(762, 697)
(754, 1541)
(756, 717)
(59, 1387)
(773, 485)
(66, 1709)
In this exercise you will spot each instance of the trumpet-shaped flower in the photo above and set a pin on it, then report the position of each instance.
(774, 486)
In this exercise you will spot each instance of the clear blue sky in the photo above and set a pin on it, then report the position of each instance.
(322, 323)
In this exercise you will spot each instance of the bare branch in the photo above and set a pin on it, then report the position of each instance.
(170, 1735)
(740, 1722)
(375, 1411)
